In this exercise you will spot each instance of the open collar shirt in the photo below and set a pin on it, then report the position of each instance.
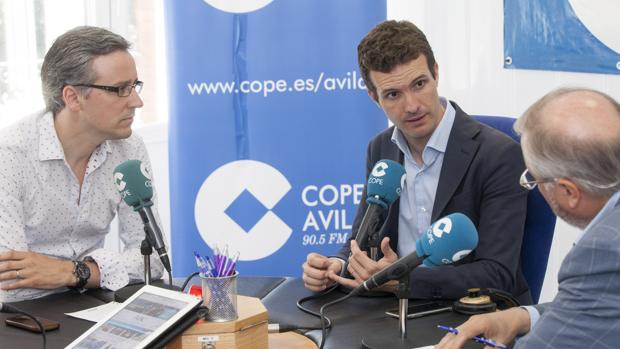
(418, 196)
(44, 209)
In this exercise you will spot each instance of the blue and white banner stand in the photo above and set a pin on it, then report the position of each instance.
(566, 35)
(269, 124)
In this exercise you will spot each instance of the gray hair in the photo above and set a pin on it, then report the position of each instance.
(69, 59)
(592, 163)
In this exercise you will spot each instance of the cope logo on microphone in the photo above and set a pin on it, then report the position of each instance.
(456, 257)
(379, 169)
(222, 188)
(442, 226)
(145, 172)
(118, 180)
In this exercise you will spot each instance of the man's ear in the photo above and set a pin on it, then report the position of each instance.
(71, 97)
(374, 98)
(436, 71)
(569, 192)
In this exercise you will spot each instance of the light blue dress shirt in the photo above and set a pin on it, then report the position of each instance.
(418, 196)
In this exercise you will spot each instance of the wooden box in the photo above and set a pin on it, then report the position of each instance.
(248, 331)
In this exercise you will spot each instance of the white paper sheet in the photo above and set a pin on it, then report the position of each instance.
(97, 313)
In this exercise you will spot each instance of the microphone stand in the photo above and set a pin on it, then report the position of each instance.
(373, 244)
(146, 249)
(402, 292)
(374, 239)
(403, 305)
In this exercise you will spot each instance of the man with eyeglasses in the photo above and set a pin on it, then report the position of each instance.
(571, 145)
(57, 194)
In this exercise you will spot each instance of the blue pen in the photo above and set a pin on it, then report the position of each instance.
(208, 266)
(209, 263)
(201, 263)
(478, 339)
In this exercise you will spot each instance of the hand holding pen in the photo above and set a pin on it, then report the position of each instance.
(479, 339)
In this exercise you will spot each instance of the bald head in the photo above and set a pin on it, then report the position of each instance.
(582, 116)
(574, 133)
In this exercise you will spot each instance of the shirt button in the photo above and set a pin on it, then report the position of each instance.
(422, 209)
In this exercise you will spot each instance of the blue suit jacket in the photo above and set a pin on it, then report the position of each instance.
(480, 178)
(586, 311)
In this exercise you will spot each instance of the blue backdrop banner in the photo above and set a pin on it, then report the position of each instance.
(269, 124)
(567, 35)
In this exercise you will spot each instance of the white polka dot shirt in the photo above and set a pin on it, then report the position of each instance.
(40, 212)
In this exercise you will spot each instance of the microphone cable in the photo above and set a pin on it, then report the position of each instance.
(326, 322)
(187, 280)
(323, 317)
(312, 312)
(6, 308)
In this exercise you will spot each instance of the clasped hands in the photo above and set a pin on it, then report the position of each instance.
(320, 272)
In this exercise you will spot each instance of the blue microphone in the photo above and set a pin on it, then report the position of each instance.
(446, 241)
(385, 183)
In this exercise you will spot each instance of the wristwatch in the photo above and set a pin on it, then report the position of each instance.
(82, 273)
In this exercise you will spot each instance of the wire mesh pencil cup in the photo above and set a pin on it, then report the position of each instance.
(219, 294)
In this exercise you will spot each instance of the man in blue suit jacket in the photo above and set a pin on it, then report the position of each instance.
(453, 164)
(571, 147)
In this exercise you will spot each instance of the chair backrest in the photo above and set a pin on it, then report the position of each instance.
(539, 222)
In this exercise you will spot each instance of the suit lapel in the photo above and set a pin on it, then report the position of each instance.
(459, 154)
(390, 226)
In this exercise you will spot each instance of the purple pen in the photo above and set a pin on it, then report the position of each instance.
(217, 257)
(223, 267)
(231, 269)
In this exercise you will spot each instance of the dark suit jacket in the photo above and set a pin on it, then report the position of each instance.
(479, 178)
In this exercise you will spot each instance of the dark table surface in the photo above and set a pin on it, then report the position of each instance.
(354, 319)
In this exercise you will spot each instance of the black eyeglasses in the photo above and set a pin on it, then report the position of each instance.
(122, 91)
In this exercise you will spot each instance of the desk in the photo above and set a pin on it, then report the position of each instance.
(290, 340)
(51, 307)
(352, 319)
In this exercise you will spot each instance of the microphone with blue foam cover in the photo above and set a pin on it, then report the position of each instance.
(385, 184)
(446, 241)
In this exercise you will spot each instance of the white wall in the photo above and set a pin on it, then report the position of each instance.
(467, 39)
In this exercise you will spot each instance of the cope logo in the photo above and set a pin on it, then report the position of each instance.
(222, 188)
(238, 6)
(442, 226)
(460, 255)
(118, 180)
(145, 171)
(379, 169)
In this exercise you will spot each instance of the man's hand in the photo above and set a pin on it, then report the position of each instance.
(316, 269)
(363, 267)
(34, 270)
(501, 326)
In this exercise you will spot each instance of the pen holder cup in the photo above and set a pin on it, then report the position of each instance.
(219, 294)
